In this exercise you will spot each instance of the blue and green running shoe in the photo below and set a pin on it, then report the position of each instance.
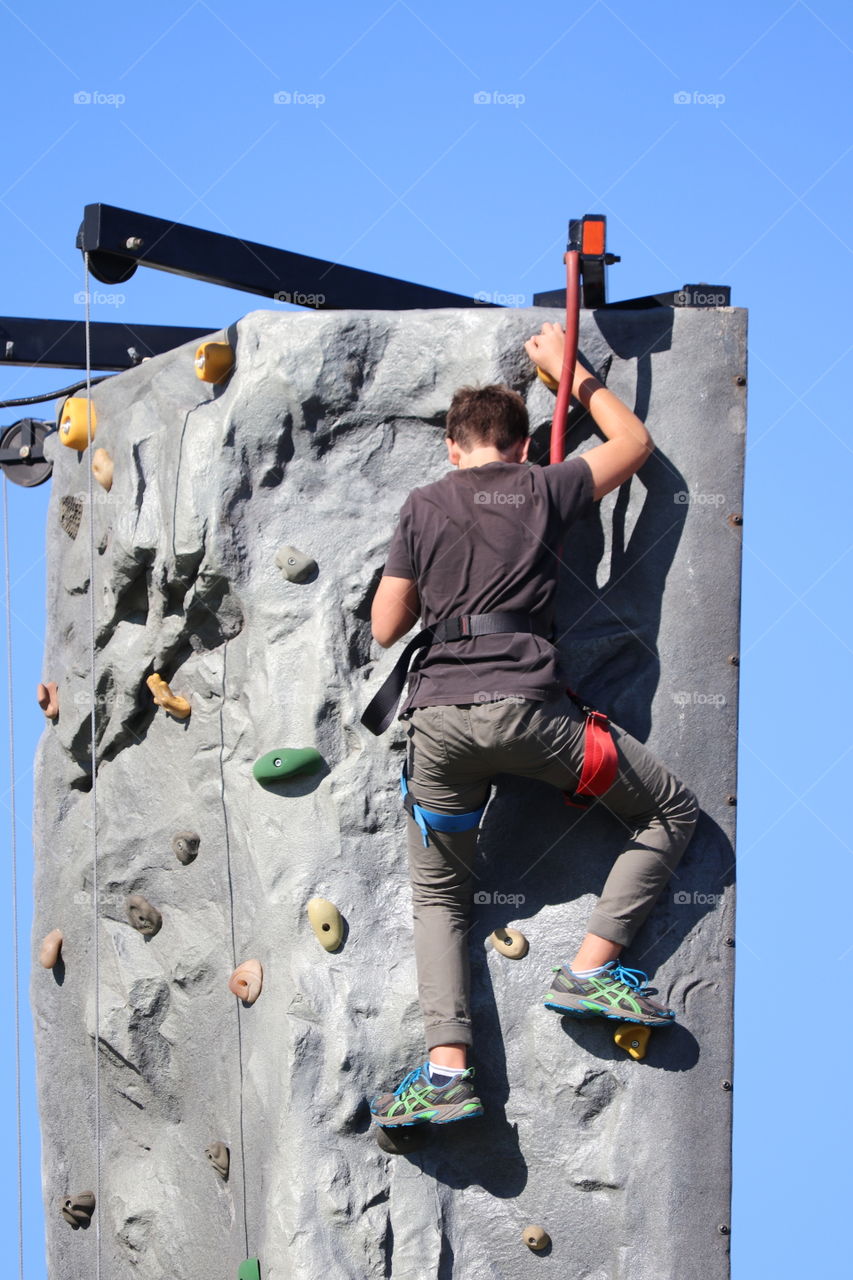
(616, 992)
(416, 1100)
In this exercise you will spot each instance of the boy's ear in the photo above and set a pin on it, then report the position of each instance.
(454, 453)
(525, 450)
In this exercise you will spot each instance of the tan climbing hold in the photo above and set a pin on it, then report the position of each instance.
(185, 846)
(220, 1157)
(78, 1209)
(102, 468)
(247, 981)
(510, 943)
(214, 361)
(48, 699)
(326, 922)
(634, 1038)
(163, 696)
(536, 1238)
(50, 949)
(144, 918)
(74, 422)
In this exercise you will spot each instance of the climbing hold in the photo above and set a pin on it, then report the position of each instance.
(163, 696)
(74, 423)
(326, 922)
(536, 1238)
(102, 468)
(249, 1270)
(551, 383)
(144, 918)
(78, 1209)
(402, 1138)
(48, 699)
(295, 565)
(287, 762)
(510, 943)
(185, 845)
(50, 949)
(214, 361)
(247, 981)
(70, 514)
(634, 1037)
(219, 1156)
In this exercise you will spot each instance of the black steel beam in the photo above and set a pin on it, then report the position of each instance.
(61, 344)
(119, 240)
(692, 295)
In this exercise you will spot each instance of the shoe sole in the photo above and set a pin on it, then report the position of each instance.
(438, 1116)
(619, 1016)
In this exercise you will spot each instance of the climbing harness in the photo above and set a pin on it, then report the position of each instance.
(600, 761)
(428, 820)
(380, 710)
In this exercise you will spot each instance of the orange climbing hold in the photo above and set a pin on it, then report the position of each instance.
(163, 696)
(74, 422)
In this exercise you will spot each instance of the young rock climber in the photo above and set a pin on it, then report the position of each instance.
(489, 697)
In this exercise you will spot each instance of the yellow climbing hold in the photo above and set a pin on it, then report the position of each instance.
(214, 361)
(551, 383)
(74, 422)
(326, 922)
(50, 949)
(633, 1037)
(536, 1238)
(102, 468)
(163, 696)
(510, 943)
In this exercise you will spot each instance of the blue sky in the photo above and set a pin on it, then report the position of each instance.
(384, 158)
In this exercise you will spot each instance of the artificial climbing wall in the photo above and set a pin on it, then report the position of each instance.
(324, 425)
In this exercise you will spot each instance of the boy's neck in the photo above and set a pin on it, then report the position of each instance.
(480, 457)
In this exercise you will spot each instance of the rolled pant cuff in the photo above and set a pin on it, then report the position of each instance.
(448, 1033)
(604, 926)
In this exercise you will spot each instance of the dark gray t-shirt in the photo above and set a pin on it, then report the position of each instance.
(479, 540)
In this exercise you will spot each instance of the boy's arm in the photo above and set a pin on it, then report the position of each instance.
(628, 442)
(396, 608)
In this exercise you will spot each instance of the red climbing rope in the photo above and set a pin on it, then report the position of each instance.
(570, 355)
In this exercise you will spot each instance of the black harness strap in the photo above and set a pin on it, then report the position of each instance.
(380, 710)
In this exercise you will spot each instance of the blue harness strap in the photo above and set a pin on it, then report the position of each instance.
(428, 820)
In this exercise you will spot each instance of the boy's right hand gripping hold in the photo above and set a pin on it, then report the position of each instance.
(628, 443)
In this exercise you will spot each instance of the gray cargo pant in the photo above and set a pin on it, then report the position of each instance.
(453, 754)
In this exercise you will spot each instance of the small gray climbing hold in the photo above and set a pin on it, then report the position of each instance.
(295, 565)
(145, 918)
(185, 846)
(220, 1157)
(70, 514)
(78, 1209)
(399, 1140)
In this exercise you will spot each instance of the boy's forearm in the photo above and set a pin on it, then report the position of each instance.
(613, 418)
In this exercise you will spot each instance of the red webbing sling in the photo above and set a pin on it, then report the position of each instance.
(600, 762)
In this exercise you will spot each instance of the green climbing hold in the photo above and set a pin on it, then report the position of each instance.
(287, 762)
(250, 1269)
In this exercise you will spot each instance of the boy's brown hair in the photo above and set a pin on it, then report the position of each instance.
(493, 415)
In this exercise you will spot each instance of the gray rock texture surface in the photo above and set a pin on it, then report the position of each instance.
(325, 425)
